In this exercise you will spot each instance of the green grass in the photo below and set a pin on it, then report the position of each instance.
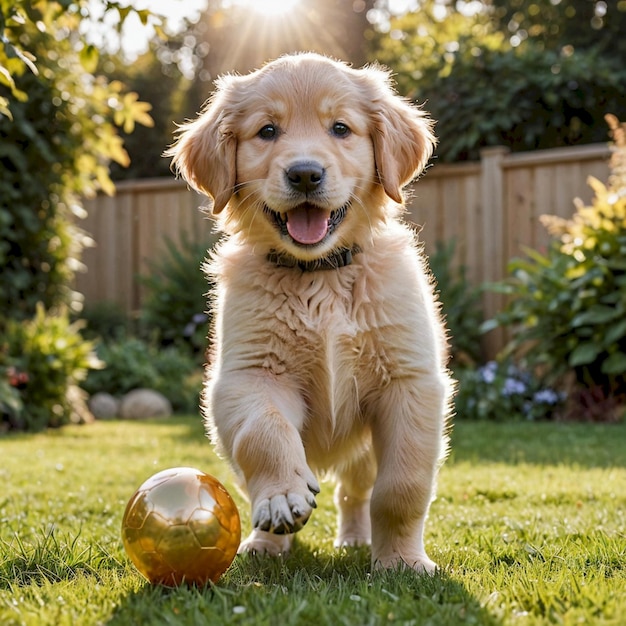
(529, 528)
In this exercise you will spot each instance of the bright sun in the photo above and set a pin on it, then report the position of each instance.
(268, 7)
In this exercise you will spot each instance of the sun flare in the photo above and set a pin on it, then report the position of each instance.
(268, 7)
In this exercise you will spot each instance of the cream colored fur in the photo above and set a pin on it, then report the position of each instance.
(336, 370)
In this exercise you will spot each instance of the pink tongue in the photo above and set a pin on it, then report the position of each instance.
(307, 224)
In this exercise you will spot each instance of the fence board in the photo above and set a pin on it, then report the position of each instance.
(491, 208)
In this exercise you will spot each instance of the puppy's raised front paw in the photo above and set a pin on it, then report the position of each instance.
(287, 512)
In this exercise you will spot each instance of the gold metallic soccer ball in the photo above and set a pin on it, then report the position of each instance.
(181, 526)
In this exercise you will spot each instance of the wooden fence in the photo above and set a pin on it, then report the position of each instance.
(490, 208)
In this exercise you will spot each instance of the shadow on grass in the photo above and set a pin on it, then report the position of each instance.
(309, 588)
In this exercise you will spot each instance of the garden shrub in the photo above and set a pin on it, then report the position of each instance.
(568, 306)
(106, 321)
(503, 391)
(526, 99)
(179, 379)
(58, 135)
(174, 310)
(131, 363)
(39, 244)
(40, 360)
(484, 91)
(460, 304)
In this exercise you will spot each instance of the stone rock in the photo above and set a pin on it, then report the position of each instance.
(104, 406)
(143, 404)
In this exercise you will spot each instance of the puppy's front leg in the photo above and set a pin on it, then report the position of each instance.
(409, 442)
(257, 418)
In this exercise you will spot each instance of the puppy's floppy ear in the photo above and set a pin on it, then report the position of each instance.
(205, 152)
(403, 139)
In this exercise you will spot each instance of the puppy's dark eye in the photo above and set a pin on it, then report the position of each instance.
(340, 129)
(269, 131)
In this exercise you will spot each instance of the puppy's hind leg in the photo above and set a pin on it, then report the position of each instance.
(352, 499)
(409, 440)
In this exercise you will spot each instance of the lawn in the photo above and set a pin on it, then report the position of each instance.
(529, 528)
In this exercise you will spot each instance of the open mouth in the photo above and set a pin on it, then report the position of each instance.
(308, 224)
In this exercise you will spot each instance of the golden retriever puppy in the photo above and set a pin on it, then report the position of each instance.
(329, 351)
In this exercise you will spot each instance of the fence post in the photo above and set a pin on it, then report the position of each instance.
(493, 191)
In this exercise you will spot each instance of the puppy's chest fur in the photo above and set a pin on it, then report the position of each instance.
(328, 335)
(323, 332)
(333, 347)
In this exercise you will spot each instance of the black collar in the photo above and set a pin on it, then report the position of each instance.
(335, 260)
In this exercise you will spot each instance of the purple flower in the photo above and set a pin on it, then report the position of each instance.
(546, 396)
(512, 387)
(488, 372)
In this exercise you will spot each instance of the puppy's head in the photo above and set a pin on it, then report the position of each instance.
(305, 155)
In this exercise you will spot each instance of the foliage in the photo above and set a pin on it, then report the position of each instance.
(568, 306)
(528, 528)
(40, 359)
(418, 44)
(58, 134)
(11, 405)
(485, 91)
(130, 363)
(460, 304)
(106, 321)
(526, 99)
(169, 93)
(502, 391)
(577, 23)
(174, 308)
(39, 243)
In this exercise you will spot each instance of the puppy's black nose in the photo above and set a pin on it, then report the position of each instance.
(305, 176)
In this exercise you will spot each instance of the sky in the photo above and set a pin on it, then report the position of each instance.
(135, 36)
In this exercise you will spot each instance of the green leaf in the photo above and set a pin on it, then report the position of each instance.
(89, 58)
(596, 315)
(616, 264)
(536, 256)
(584, 354)
(4, 108)
(615, 364)
(489, 325)
(5, 77)
(615, 333)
